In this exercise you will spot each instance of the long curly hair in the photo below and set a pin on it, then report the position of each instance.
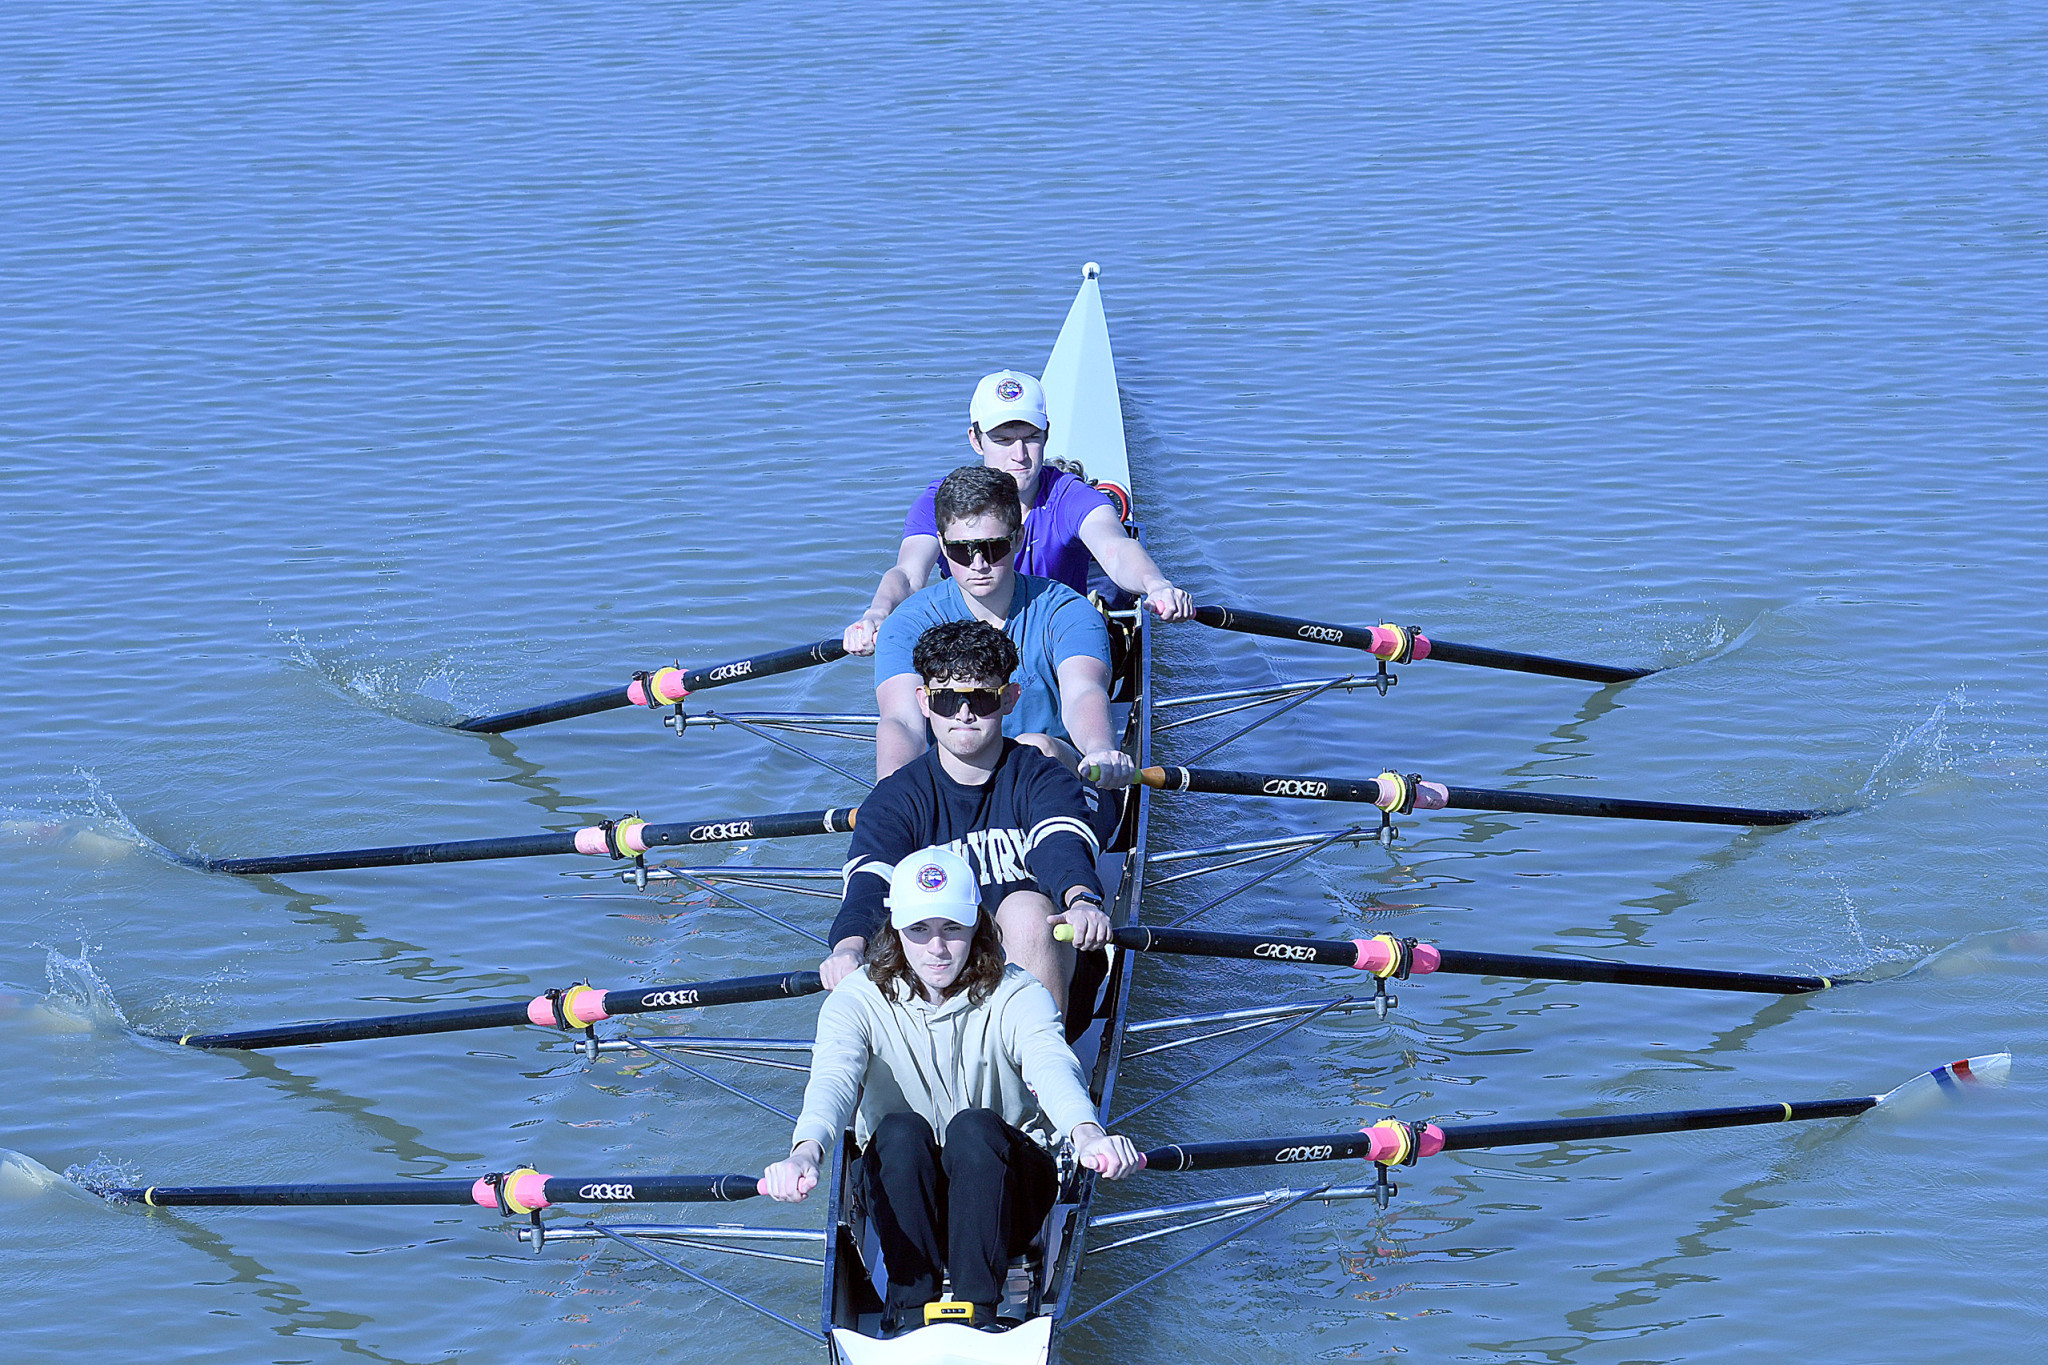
(889, 968)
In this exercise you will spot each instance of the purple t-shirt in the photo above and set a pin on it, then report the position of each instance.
(1052, 527)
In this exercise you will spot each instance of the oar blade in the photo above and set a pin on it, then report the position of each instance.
(1947, 1084)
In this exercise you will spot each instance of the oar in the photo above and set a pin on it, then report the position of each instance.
(574, 1007)
(1407, 644)
(1387, 956)
(1399, 794)
(614, 838)
(659, 688)
(1391, 1141)
(523, 1191)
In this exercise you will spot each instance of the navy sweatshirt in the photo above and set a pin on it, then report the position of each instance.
(1028, 827)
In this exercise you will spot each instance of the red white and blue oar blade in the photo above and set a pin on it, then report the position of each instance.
(1943, 1084)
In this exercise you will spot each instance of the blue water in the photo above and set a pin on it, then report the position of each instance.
(364, 365)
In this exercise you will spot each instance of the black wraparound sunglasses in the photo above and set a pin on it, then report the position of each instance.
(962, 552)
(947, 701)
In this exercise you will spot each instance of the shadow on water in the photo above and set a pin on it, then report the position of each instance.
(294, 1313)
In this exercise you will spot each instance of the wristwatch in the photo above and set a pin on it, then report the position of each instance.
(1088, 896)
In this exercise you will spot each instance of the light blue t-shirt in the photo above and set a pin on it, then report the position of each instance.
(1049, 623)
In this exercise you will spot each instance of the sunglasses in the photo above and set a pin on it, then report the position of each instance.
(962, 552)
(947, 701)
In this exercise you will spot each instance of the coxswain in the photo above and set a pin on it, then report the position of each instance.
(1065, 521)
(1062, 707)
(959, 1083)
(1023, 821)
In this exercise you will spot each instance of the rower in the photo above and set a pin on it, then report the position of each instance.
(1022, 819)
(959, 1081)
(1063, 704)
(1065, 521)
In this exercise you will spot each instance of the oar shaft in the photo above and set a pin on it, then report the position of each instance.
(1247, 947)
(529, 1190)
(1469, 1136)
(1551, 803)
(402, 855)
(350, 1030)
(1387, 955)
(576, 1007)
(1539, 967)
(1514, 661)
(1436, 796)
(668, 685)
(596, 840)
(1388, 642)
(1389, 1141)
(545, 713)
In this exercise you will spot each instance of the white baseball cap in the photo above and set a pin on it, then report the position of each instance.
(1008, 396)
(933, 883)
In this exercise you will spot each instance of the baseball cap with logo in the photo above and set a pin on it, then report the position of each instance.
(1007, 396)
(933, 883)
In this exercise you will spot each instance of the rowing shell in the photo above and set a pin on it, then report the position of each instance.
(1087, 431)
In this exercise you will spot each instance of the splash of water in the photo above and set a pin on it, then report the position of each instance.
(78, 992)
(423, 691)
(1918, 753)
(94, 829)
(102, 1175)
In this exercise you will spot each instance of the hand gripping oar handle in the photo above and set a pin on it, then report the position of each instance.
(520, 1191)
(1407, 644)
(1389, 957)
(1400, 794)
(613, 839)
(572, 1008)
(659, 687)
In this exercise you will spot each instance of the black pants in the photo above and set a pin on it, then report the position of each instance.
(966, 1208)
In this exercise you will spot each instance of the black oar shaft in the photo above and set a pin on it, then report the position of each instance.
(1376, 642)
(1369, 791)
(608, 1004)
(590, 841)
(588, 704)
(1247, 947)
(1540, 967)
(1380, 1144)
(1277, 1151)
(1469, 1136)
(403, 855)
(1550, 803)
(1514, 661)
(559, 1189)
(795, 824)
(349, 1030)
(1386, 955)
(683, 681)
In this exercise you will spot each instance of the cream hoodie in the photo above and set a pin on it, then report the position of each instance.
(885, 1057)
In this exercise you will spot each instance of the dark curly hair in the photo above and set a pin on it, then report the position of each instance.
(975, 490)
(890, 970)
(964, 649)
